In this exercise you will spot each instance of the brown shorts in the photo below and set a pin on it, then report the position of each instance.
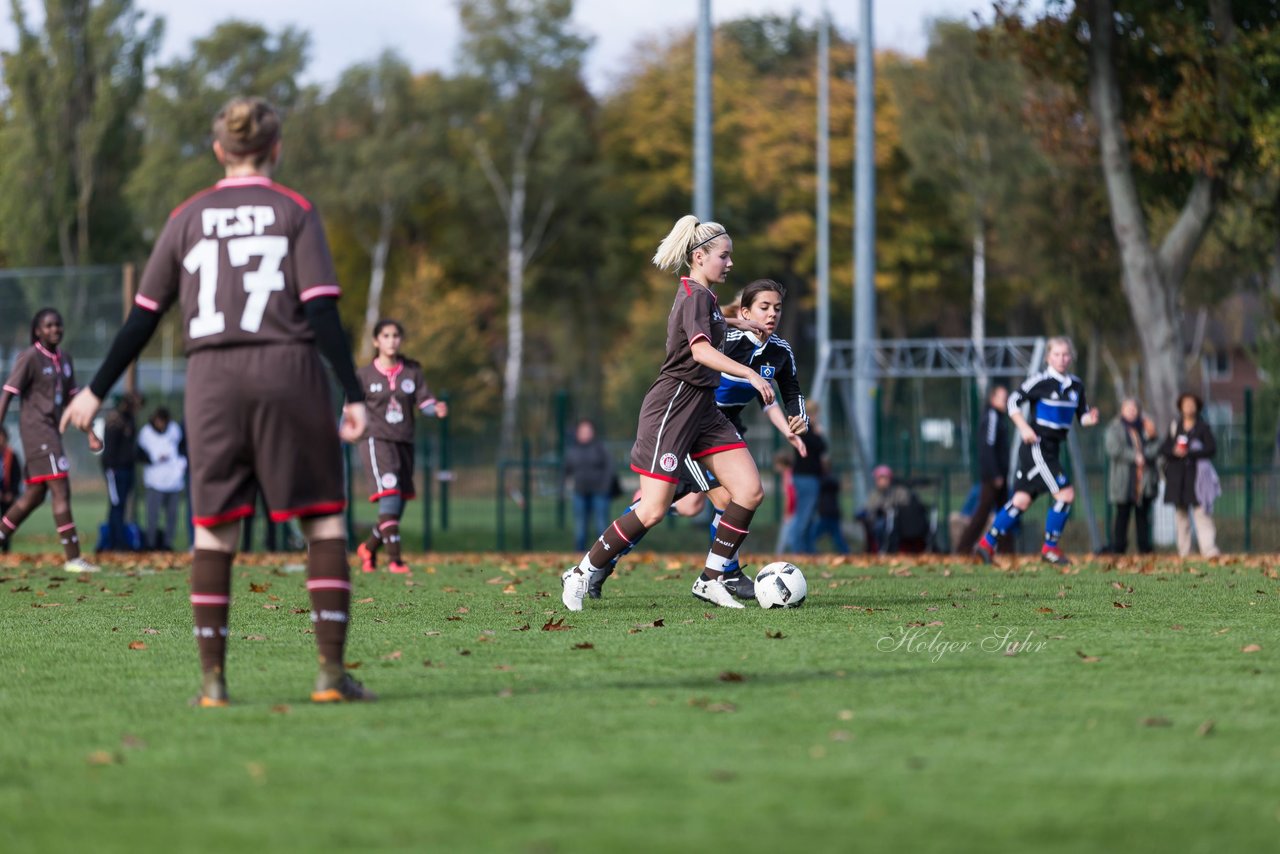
(390, 468)
(678, 419)
(45, 458)
(260, 419)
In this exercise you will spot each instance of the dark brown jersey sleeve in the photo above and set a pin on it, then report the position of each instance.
(161, 277)
(20, 376)
(422, 396)
(695, 316)
(314, 273)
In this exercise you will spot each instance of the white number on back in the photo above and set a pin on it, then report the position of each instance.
(258, 284)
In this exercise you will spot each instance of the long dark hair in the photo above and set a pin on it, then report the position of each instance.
(39, 318)
(384, 323)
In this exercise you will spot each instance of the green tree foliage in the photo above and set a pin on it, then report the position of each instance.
(236, 58)
(68, 140)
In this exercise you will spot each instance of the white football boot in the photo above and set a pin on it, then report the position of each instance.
(715, 592)
(79, 564)
(575, 583)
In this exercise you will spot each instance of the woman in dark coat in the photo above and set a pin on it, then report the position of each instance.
(1191, 483)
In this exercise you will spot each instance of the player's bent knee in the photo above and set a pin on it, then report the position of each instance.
(1066, 496)
(1022, 500)
(750, 498)
(324, 528)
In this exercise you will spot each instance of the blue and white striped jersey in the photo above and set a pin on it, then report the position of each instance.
(1056, 401)
(773, 360)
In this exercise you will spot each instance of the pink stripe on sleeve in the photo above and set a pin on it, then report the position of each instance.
(321, 291)
(146, 302)
(701, 336)
(11, 390)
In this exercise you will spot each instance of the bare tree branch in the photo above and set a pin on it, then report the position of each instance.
(496, 183)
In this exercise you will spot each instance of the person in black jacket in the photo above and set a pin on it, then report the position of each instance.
(993, 462)
(1191, 483)
(119, 462)
(587, 464)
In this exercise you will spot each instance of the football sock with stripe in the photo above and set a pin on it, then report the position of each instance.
(1054, 521)
(616, 540)
(210, 603)
(389, 531)
(735, 525)
(67, 534)
(1004, 520)
(329, 584)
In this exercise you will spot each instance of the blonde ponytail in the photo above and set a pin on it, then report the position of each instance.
(687, 235)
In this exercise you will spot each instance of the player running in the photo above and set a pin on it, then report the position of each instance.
(753, 344)
(1057, 399)
(393, 388)
(44, 377)
(679, 418)
(248, 262)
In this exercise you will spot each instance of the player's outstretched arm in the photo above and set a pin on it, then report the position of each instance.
(138, 328)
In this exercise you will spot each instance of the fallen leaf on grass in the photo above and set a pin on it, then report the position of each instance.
(431, 634)
(270, 607)
(584, 646)
(1176, 628)
(1088, 659)
(365, 601)
(731, 676)
(554, 625)
(1223, 631)
(933, 623)
(462, 609)
(1156, 722)
(353, 665)
(281, 709)
(656, 624)
(1121, 605)
(151, 631)
(137, 645)
(298, 611)
(393, 656)
(523, 628)
(255, 637)
(1117, 585)
(464, 652)
(502, 667)
(258, 588)
(132, 742)
(708, 615)
(841, 735)
(772, 635)
(1044, 610)
(104, 757)
(1205, 728)
(454, 619)
(1253, 647)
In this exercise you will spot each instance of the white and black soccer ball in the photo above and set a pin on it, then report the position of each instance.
(781, 585)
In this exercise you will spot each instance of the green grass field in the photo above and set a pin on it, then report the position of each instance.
(886, 712)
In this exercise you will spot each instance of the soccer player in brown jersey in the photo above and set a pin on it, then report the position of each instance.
(44, 377)
(248, 263)
(393, 388)
(679, 417)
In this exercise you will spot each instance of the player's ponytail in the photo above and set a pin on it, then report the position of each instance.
(247, 128)
(676, 249)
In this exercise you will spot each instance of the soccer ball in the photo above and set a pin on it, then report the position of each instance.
(781, 585)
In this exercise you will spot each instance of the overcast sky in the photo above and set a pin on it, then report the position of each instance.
(425, 32)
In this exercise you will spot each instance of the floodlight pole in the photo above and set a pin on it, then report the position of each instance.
(864, 243)
(702, 201)
(824, 200)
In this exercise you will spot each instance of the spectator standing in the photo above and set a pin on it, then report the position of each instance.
(806, 473)
(783, 463)
(164, 475)
(1191, 482)
(1133, 447)
(10, 478)
(829, 515)
(587, 464)
(993, 463)
(119, 461)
